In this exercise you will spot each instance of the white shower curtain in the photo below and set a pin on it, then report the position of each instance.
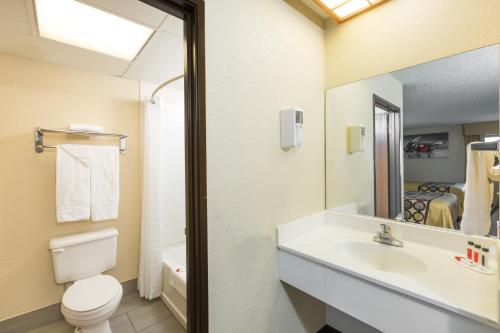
(153, 200)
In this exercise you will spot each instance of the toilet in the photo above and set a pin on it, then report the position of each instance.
(92, 297)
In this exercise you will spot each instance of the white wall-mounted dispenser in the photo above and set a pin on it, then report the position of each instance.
(292, 127)
(356, 136)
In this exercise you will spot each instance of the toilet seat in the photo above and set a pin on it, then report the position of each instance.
(89, 303)
(91, 294)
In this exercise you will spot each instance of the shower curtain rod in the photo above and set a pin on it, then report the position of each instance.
(164, 84)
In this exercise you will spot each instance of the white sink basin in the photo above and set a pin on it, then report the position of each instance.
(381, 257)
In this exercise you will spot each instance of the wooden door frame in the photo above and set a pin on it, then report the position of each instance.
(193, 14)
(391, 108)
(377, 171)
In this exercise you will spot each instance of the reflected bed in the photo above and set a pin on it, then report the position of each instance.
(434, 209)
(458, 189)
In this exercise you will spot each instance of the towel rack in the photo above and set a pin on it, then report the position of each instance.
(39, 133)
(490, 146)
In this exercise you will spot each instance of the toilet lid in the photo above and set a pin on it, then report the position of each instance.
(91, 293)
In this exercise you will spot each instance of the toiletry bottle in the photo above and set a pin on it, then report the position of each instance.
(477, 250)
(470, 249)
(485, 256)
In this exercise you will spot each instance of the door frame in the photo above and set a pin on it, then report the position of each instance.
(395, 112)
(192, 12)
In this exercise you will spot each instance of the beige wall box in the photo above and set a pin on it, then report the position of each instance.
(356, 138)
(292, 126)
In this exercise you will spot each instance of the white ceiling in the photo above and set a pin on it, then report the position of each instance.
(160, 59)
(460, 89)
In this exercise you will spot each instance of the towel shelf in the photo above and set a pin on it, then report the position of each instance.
(39, 133)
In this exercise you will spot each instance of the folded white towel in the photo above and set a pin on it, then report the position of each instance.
(86, 128)
(178, 280)
(478, 193)
(87, 182)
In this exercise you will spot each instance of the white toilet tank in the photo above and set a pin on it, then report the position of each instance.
(82, 255)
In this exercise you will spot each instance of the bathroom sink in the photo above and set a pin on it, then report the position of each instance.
(381, 257)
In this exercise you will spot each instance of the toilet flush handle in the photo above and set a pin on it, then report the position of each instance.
(57, 250)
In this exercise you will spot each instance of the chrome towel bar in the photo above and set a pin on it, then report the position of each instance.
(39, 133)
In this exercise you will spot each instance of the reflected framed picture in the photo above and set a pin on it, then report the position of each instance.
(429, 145)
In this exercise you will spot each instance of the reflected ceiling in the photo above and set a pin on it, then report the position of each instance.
(456, 90)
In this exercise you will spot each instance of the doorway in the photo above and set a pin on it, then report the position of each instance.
(387, 157)
(192, 12)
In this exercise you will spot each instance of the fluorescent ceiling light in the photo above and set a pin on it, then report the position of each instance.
(333, 3)
(341, 10)
(351, 7)
(72, 22)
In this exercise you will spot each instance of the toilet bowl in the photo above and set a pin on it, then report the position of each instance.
(93, 297)
(89, 303)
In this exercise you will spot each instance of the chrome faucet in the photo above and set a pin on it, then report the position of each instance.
(400, 217)
(385, 237)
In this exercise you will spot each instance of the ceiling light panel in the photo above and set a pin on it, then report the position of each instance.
(351, 7)
(72, 22)
(333, 3)
(341, 10)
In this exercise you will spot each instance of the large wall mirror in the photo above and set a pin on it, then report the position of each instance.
(401, 145)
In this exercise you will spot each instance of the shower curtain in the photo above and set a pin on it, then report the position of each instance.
(153, 200)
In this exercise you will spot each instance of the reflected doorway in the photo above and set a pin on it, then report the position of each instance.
(387, 157)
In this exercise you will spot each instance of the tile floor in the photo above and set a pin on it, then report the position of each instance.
(134, 315)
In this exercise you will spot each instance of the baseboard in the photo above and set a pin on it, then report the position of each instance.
(328, 329)
(129, 287)
(31, 320)
(47, 315)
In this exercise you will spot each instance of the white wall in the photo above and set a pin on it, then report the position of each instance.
(175, 207)
(261, 56)
(350, 177)
(451, 169)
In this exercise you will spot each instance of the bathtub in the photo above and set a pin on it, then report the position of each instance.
(174, 256)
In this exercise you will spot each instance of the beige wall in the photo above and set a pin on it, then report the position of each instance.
(262, 57)
(38, 94)
(403, 33)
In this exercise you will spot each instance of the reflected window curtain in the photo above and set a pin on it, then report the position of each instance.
(471, 138)
(153, 200)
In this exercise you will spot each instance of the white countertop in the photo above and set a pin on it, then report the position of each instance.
(444, 283)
